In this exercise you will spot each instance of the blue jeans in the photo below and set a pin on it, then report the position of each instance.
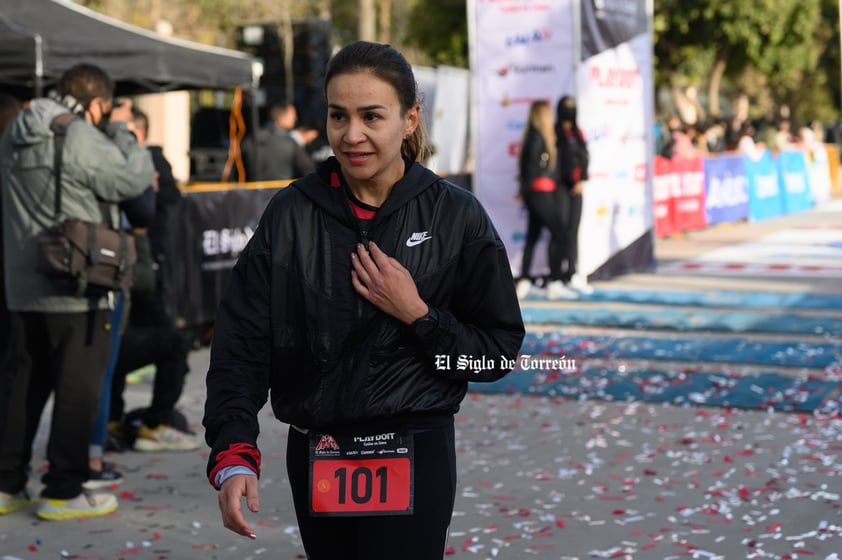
(100, 431)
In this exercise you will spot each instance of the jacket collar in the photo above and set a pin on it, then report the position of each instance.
(327, 190)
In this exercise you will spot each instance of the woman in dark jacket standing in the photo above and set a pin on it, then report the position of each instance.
(573, 173)
(370, 294)
(538, 183)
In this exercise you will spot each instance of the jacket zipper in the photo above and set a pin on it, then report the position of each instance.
(364, 241)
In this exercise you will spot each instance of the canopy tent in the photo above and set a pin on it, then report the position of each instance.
(40, 39)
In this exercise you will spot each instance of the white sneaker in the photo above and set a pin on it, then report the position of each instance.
(165, 438)
(557, 290)
(13, 502)
(580, 285)
(86, 504)
(523, 287)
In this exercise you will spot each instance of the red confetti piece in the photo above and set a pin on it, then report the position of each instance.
(774, 527)
(618, 512)
(449, 551)
(33, 548)
(560, 523)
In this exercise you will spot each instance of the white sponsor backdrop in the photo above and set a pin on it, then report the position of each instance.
(614, 113)
(445, 102)
(523, 50)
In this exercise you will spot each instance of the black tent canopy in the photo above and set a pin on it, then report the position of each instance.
(40, 39)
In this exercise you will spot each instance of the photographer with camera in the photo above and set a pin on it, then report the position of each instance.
(65, 338)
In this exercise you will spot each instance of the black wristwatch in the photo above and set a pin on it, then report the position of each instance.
(424, 327)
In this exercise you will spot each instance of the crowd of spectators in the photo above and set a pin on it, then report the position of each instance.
(677, 139)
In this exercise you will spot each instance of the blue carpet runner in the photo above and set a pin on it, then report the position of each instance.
(685, 320)
(707, 371)
(714, 299)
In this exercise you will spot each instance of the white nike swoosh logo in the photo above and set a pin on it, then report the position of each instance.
(418, 240)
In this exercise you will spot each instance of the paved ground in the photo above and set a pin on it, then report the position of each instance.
(548, 478)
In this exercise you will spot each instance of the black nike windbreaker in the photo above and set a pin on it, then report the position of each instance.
(291, 322)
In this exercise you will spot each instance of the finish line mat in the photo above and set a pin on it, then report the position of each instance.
(712, 388)
(734, 321)
(692, 348)
(712, 299)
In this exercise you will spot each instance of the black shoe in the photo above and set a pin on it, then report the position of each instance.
(106, 478)
(114, 442)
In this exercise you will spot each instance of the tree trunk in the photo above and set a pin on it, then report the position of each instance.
(385, 21)
(324, 10)
(366, 29)
(285, 32)
(715, 82)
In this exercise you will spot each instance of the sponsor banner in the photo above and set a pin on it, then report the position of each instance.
(794, 180)
(449, 120)
(764, 191)
(726, 189)
(678, 191)
(614, 108)
(833, 164)
(524, 50)
(521, 51)
(208, 231)
(819, 170)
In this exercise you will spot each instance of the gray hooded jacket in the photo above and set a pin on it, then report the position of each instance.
(111, 167)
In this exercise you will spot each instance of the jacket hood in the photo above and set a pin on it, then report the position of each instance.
(33, 124)
(326, 190)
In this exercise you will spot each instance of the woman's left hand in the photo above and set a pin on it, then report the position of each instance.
(384, 282)
(577, 189)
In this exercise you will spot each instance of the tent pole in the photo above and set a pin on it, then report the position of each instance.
(255, 126)
(39, 66)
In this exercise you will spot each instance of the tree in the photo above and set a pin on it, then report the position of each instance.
(782, 42)
(439, 29)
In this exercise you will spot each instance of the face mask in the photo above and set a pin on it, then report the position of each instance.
(568, 113)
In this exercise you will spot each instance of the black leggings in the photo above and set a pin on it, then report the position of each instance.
(545, 211)
(420, 536)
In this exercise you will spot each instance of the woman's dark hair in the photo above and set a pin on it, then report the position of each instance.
(86, 82)
(566, 109)
(389, 65)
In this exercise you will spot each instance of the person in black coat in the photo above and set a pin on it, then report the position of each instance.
(573, 162)
(538, 185)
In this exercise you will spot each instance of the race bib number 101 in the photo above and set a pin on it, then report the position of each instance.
(368, 474)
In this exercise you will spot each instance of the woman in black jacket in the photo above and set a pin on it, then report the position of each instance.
(371, 293)
(538, 180)
(573, 173)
